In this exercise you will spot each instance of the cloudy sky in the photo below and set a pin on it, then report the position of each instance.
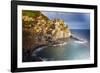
(74, 20)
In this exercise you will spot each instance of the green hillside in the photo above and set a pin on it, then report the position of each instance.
(33, 14)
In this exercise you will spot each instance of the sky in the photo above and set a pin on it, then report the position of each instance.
(74, 20)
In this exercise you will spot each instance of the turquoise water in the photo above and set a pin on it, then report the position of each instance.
(70, 51)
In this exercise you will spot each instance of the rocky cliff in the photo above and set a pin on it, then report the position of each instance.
(39, 30)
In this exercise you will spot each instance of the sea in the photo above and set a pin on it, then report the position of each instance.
(73, 49)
